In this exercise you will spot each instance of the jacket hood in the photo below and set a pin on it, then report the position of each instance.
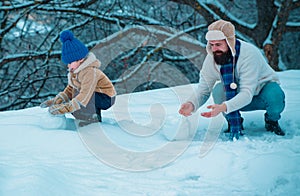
(90, 61)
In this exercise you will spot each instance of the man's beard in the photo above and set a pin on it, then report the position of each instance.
(222, 58)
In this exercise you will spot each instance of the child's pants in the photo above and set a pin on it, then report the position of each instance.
(98, 102)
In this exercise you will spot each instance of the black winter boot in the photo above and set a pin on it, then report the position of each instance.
(92, 119)
(99, 117)
(273, 126)
(241, 133)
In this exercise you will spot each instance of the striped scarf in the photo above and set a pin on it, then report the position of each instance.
(233, 118)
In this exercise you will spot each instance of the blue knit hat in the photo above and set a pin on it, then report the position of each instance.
(72, 48)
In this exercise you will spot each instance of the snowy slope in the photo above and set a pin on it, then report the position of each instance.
(144, 147)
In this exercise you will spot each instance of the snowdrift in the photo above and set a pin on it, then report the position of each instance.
(144, 147)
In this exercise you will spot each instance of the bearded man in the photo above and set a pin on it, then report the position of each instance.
(239, 78)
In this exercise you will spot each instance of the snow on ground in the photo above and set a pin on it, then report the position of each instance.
(144, 147)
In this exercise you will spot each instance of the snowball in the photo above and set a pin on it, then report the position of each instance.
(49, 121)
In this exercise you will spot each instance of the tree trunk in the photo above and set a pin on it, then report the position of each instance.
(272, 50)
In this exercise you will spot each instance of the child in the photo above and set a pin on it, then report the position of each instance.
(88, 91)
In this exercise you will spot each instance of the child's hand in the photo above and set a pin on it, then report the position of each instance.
(47, 103)
(63, 108)
(58, 99)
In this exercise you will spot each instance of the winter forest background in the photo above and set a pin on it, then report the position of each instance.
(127, 38)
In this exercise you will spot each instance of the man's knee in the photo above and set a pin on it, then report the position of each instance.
(275, 98)
(218, 93)
(275, 94)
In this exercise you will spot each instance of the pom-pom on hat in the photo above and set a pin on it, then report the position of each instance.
(72, 48)
(220, 30)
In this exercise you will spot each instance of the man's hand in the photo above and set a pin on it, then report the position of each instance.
(186, 109)
(215, 110)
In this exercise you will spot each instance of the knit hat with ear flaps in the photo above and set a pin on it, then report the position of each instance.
(72, 48)
(220, 30)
